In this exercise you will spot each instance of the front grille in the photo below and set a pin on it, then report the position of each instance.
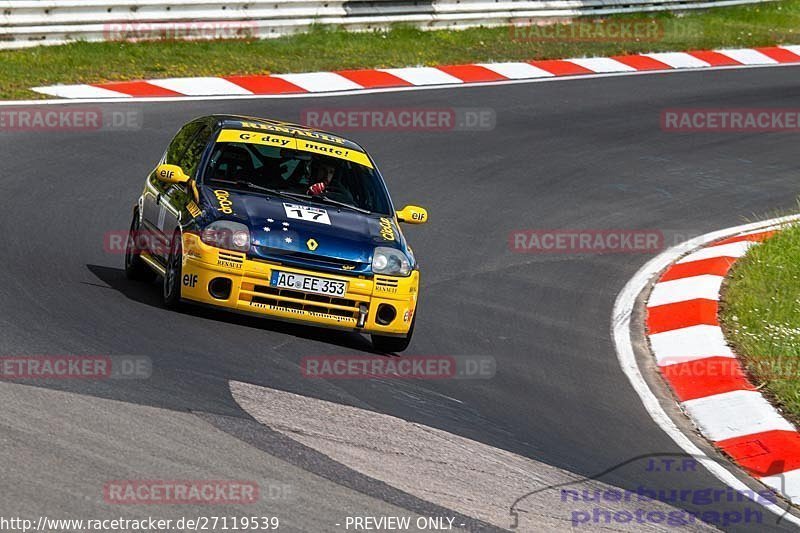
(320, 259)
(231, 257)
(314, 303)
(386, 282)
(302, 259)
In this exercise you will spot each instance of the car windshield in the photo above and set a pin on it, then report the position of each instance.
(298, 172)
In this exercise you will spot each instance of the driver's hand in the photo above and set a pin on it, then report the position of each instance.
(316, 189)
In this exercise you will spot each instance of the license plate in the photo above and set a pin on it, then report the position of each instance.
(299, 282)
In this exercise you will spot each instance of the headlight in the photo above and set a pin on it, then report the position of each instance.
(228, 235)
(390, 261)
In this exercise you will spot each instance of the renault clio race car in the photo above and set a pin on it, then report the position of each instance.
(278, 220)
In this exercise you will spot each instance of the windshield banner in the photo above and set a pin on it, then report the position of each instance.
(282, 141)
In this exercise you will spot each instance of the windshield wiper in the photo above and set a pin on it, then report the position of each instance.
(325, 199)
(251, 185)
(345, 205)
(266, 190)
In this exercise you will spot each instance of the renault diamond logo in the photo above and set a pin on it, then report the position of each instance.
(312, 244)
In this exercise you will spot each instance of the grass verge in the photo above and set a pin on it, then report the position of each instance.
(760, 313)
(329, 49)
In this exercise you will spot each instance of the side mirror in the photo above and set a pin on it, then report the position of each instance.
(171, 174)
(412, 214)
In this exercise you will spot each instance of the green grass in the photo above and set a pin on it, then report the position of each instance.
(326, 49)
(760, 313)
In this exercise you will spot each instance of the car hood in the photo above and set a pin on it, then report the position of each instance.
(285, 230)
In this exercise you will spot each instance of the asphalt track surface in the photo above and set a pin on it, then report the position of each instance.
(586, 154)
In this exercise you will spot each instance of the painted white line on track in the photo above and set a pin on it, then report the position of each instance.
(733, 249)
(748, 56)
(320, 81)
(422, 75)
(680, 290)
(200, 86)
(602, 64)
(794, 48)
(787, 483)
(517, 71)
(734, 414)
(678, 60)
(82, 92)
(621, 334)
(689, 344)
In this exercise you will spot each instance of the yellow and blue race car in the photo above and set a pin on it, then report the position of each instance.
(280, 220)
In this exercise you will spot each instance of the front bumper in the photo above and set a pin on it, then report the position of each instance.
(250, 292)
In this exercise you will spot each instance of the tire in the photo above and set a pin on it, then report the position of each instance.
(135, 268)
(173, 274)
(385, 344)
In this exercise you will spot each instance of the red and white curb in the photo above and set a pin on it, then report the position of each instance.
(453, 75)
(691, 353)
(704, 373)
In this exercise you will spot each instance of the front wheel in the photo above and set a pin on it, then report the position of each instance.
(172, 276)
(386, 344)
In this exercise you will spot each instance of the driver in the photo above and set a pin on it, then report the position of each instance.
(321, 176)
(323, 180)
